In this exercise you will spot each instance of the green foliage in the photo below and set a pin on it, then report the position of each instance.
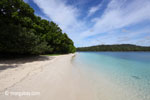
(24, 33)
(123, 47)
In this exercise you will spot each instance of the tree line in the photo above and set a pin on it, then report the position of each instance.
(22, 32)
(121, 47)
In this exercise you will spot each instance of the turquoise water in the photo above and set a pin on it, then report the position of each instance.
(126, 74)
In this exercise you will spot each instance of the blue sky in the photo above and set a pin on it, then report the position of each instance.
(94, 22)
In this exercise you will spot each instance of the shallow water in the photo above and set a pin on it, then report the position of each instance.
(116, 75)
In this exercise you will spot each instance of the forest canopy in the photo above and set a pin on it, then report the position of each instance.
(22, 32)
(121, 47)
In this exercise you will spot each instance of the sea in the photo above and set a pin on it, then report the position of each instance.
(116, 75)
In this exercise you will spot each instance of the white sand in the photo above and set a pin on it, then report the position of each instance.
(55, 79)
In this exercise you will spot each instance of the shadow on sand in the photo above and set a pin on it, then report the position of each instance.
(6, 63)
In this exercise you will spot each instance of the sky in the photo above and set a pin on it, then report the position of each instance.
(96, 22)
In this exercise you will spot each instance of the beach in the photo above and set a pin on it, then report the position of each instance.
(43, 78)
(80, 76)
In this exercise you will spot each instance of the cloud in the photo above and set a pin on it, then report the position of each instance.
(119, 14)
(66, 16)
(124, 37)
(58, 11)
(143, 41)
(94, 9)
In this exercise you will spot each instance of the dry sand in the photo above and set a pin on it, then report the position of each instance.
(45, 78)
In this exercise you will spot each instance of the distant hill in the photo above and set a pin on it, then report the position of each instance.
(116, 47)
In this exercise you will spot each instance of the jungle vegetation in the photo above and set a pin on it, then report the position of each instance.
(22, 32)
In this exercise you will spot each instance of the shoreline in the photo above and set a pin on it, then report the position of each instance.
(54, 79)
